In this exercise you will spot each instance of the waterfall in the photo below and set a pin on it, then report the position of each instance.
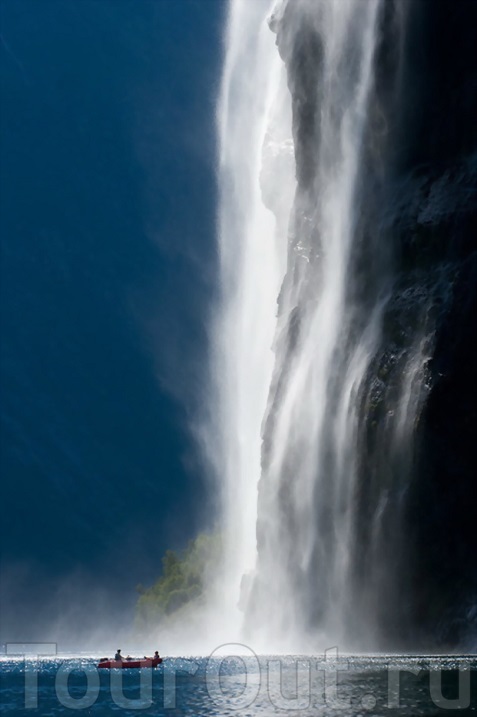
(254, 128)
(313, 406)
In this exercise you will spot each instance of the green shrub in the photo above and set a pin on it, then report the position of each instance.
(183, 582)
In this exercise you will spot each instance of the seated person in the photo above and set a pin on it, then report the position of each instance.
(154, 657)
(118, 655)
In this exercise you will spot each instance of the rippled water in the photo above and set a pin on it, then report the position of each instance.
(248, 686)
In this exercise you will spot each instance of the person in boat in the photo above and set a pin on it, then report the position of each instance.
(156, 656)
(118, 656)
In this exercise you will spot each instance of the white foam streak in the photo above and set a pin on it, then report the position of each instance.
(252, 264)
(306, 408)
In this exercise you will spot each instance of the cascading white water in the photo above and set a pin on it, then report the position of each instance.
(311, 455)
(254, 127)
(289, 464)
(252, 263)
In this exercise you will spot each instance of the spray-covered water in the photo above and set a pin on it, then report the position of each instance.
(320, 350)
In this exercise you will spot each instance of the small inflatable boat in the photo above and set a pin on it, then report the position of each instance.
(121, 664)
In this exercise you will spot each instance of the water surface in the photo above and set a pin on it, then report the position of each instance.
(244, 686)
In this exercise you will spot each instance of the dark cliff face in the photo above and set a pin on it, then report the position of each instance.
(442, 152)
(418, 199)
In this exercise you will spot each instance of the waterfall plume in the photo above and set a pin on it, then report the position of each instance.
(325, 328)
(254, 128)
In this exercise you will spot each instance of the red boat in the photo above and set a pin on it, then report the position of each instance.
(121, 664)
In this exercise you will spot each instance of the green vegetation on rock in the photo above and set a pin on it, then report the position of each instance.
(183, 582)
